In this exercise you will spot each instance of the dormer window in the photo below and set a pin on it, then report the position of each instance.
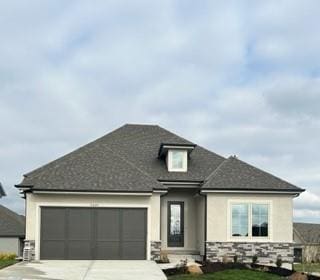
(176, 156)
(177, 161)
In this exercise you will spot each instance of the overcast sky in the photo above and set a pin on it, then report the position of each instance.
(238, 77)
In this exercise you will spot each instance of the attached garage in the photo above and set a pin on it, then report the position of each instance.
(93, 233)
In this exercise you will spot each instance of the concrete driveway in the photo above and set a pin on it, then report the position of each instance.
(84, 270)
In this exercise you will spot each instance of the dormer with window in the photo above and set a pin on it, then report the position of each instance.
(176, 156)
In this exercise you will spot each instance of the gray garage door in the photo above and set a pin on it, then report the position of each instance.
(93, 233)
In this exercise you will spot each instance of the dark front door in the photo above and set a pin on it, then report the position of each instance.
(175, 224)
(93, 233)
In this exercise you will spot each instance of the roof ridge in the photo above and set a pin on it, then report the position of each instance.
(199, 146)
(131, 164)
(266, 172)
(300, 235)
(211, 175)
(38, 170)
(8, 212)
(176, 135)
(140, 124)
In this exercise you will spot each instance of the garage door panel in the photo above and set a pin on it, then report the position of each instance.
(54, 250)
(108, 251)
(107, 224)
(133, 250)
(79, 224)
(134, 224)
(79, 250)
(53, 223)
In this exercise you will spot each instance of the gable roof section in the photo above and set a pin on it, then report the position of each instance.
(127, 160)
(309, 233)
(123, 160)
(94, 167)
(234, 174)
(11, 224)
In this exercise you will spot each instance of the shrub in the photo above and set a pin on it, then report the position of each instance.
(235, 258)
(279, 261)
(182, 266)
(254, 259)
(7, 256)
(164, 257)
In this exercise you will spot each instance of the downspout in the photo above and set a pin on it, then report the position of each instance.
(205, 225)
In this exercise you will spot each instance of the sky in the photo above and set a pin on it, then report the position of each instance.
(238, 77)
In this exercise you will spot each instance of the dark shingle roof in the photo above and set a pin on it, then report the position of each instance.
(234, 174)
(309, 233)
(127, 160)
(2, 193)
(11, 224)
(94, 167)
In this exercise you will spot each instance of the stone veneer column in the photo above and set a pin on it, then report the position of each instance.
(155, 250)
(29, 250)
(267, 253)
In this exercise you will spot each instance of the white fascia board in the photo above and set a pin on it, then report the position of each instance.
(179, 183)
(177, 147)
(249, 191)
(96, 193)
(160, 191)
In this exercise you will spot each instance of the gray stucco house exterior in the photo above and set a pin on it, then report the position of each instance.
(12, 231)
(142, 189)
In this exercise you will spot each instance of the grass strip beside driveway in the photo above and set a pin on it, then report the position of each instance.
(5, 263)
(232, 274)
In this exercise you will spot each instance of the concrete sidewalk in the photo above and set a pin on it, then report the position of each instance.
(84, 270)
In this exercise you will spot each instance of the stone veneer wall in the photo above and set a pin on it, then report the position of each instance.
(267, 252)
(29, 250)
(155, 250)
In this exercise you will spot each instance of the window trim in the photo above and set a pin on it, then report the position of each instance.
(184, 162)
(250, 202)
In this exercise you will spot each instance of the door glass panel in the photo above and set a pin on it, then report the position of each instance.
(175, 219)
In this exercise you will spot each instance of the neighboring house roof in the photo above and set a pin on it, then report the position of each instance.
(11, 224)
(2, 193)
(308, 233)
(127, 160)
(234, 174)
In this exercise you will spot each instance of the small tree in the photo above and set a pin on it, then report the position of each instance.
(279, 261)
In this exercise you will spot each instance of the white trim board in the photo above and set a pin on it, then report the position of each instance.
(96, 193)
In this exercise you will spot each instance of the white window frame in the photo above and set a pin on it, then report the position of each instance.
(250, 237)
(184, 163)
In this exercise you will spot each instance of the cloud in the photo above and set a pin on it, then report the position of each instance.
(238, 78)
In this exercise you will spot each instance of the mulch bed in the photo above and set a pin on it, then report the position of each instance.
(210, 267)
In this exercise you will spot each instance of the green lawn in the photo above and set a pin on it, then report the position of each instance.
(309, 267)
(5, 263)
(232, 274)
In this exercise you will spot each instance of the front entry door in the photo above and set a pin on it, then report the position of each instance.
(175, 224)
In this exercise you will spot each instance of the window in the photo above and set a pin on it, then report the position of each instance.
(177, 160)
(259, 220)
(250, 220)
(240, 220)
